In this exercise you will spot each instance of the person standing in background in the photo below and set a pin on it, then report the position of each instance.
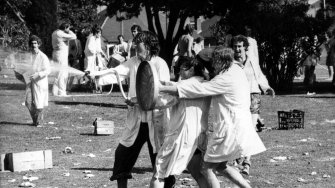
(60, 45)
(331, 56)
(94, 54)
(135, 29)
(37, 91)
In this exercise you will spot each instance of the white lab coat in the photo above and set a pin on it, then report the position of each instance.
(39, 86)
(157, 119)
(188, 119)
(232, 135)
(60, 44)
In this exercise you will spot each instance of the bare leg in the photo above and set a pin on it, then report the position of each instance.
(207, 171)
(194, 167)
(156, 183)
(330, 72)
(122, 183)
(232, 174)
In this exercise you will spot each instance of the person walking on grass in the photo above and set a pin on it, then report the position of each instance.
(256, 81)
(37, 91)
(140, 126)
(232, 134)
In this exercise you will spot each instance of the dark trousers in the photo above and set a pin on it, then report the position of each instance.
(125, 157)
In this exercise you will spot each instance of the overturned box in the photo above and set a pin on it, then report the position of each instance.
(102, 127)
(24, 161)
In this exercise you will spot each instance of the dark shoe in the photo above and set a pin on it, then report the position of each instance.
(170, 182)
(245, 170)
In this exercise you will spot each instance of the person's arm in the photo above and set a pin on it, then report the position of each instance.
(172, 90)
(189, 47)
(67, 36)
(129, 47)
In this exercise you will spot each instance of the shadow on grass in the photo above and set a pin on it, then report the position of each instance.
(111, 105)
(12, 86)
(14, 123)
(135, 170)
(320, 87)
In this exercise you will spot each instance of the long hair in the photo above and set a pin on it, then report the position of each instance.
(150, 41)
(222, 58)
(96, 29)
(136, 27)
(189, 29)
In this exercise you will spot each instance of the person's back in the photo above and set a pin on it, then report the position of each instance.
(183, 44)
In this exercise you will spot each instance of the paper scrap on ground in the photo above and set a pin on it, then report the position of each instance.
(87, 171)
(91, 155)
(66, 174)
(268, 182)
(313, 173)
(330, 121)
(301, 180)
(326, 176)
(27, 184)
(53, 138)
(51, 123)
(88, 176)
(75, 164)
(12, 180)
(30, 178)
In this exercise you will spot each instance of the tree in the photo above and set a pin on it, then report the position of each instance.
(29, 17)
(284, 32)
(176, 10)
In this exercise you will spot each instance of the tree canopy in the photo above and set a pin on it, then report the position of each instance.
(284, 33)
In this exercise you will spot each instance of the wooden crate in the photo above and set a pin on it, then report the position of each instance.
(291, 120)
(102, 127)
(24, 161)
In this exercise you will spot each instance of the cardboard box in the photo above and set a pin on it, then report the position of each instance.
(103, 127)
(26, 161)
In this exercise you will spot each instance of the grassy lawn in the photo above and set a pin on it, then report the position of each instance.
(311, 149)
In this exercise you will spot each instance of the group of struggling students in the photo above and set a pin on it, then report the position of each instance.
(177, 130)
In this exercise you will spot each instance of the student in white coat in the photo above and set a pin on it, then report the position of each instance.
(256, 82)
(232, 134)
(60, 55)
(140, 126)
(189, 118)
(37, 82)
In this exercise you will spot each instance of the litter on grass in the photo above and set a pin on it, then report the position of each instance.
(301, 180)
(91, 155)
(12, 180)
(53, 138)
(51, 123)
(27, 184)
(326, 176)
(108, 150)
(66, 174)
(68, 150)
(87, 171)
(330, 121)
(30, 178)
(313, 173)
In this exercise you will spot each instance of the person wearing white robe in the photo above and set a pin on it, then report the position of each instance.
(140, 126)
(37, 82)
(60, 45)
(188, 118)
(232, 134)
(93, 50)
